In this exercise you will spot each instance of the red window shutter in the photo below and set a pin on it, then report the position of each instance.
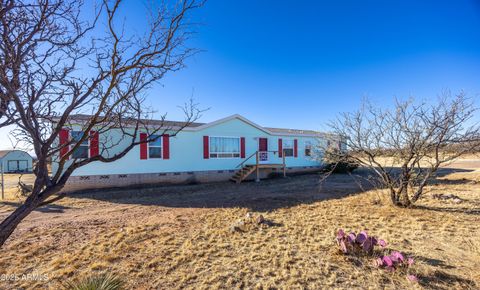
(242, 147)
(63, 136)
(295, 148)
(143, 146)
(94, 143)
(280, 148)
(166, 146)
(205, 147)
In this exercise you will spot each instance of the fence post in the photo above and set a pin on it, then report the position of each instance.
(3, 186)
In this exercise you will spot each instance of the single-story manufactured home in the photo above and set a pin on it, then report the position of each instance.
(232, 148)
(15, 161)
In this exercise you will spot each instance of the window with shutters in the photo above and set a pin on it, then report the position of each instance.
(82, 150)
(224, 147)
(287, 147)
(155, 147)
(308, 148)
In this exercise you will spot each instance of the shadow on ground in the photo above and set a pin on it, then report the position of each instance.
(266, 195)
(50, 208)
(443, 280)
(459, 209)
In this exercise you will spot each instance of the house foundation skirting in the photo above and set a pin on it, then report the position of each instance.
(77, 183)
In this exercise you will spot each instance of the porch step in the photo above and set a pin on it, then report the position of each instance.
(243, 173)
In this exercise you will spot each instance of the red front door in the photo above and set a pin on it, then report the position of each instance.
(263, 148)
(262, 144)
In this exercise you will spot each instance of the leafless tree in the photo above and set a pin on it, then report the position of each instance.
(405, 146)
(56, 68)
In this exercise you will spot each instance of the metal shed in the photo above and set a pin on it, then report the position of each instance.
(14, 161)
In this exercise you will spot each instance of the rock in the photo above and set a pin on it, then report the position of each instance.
(249, 215)
(260, 219)
(239, 226)
(457, 200)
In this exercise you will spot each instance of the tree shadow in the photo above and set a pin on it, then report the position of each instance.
(463, 210)
(49, 208)
(434, 262)
(439, 179)
(443, 280)
(266, 195)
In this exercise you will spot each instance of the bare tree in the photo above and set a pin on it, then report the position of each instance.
(406, 145)
(58, 70)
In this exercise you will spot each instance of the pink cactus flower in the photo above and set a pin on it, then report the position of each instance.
(382, 243)
(387, 261)
(397, 256)
(351, 237)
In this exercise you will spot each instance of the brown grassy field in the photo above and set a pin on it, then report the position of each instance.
(180, 236)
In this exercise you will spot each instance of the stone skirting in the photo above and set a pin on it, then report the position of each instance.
(78, 183)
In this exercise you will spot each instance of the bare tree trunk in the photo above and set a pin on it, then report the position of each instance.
(393, 196)
(404, 200)
(417, 194)
(38, 197)
(13, 220)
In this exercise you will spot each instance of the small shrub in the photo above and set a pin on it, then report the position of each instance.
(363, 245)
(393, 261)
(358, 244)
(97, 282)
(337, 161)
(396, 261)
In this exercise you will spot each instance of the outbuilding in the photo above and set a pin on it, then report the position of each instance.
(15, 161)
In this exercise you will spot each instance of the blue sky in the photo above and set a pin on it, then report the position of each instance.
(297, 64)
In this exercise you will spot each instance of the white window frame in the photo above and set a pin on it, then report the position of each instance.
(285, 147)
(229, 157)
(88, 144)
(150, 144)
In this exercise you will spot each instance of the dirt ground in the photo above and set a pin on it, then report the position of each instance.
(180, 236)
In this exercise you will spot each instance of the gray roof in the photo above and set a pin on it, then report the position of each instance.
(293, 131)
(3, 153)
(84, 117)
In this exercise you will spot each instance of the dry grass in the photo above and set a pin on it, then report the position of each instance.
(159, 238)
(11, 180)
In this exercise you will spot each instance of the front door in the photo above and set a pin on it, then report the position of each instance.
(263, 149)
